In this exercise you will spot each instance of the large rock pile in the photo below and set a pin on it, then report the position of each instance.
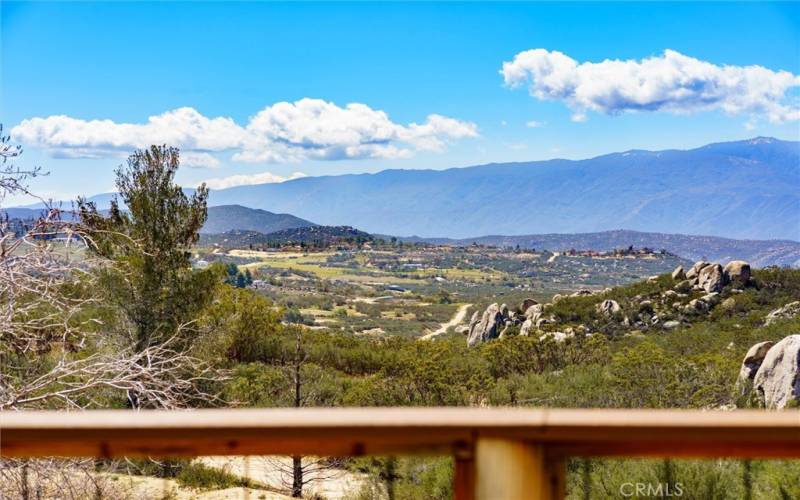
(712, 277)
(495, 321)
(772, 373)
(486, 327)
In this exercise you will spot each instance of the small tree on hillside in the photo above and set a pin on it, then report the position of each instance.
(157, 288)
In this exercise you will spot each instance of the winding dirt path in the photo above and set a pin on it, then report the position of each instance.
(456, 320)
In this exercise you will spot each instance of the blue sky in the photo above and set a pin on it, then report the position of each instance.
(126, 62)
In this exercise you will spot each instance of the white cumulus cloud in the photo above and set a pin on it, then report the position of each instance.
(534, 124)
(283, 132)
(78, 138)
(198, 160)
(247, 180)
(670, 82)
(320, 130)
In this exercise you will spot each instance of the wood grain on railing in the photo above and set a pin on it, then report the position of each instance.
(499, 453)
(360, 431)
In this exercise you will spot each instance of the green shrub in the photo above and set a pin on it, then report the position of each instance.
(202, 477)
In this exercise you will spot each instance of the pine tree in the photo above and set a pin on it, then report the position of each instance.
(149, 238)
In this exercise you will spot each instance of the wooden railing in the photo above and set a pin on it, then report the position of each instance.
(499, 453)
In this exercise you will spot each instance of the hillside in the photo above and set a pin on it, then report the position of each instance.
(746, 189)
(760, 253)
(221, 219)
(312, 235)
(225, 218)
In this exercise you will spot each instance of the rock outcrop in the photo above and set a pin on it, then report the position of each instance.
(790, 310)
(533, 311)
(752, 362)
(473, 322)
(527, 303)
(496, 320)
(694, 272)
(711, 278)
(737, 272)
(696, 305)
(488, 327)
(777, 381)
(711, 299)
(609, 307)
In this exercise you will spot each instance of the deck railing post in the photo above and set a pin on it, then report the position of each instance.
(556, 469)
(464, 474)
(515, 470)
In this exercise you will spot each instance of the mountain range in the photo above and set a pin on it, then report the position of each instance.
(746, 189)
(239, 226)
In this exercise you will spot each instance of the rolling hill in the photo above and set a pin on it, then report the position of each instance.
(223, 218)
(310, 235)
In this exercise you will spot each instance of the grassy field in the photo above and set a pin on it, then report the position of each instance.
(310, 263)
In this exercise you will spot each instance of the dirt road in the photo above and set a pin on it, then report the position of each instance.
(456, 320)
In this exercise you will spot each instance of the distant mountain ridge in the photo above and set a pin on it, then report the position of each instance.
(221, 219)
(759, 253)
(746, 189)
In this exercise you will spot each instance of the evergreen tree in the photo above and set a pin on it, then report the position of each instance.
(149, 238)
